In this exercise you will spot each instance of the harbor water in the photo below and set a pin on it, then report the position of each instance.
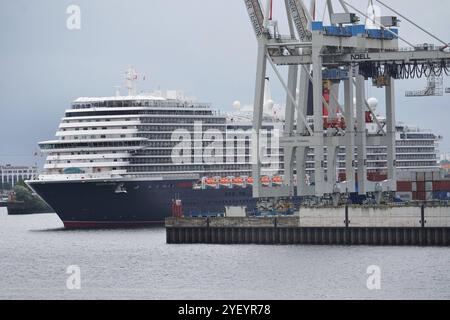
(36, 252)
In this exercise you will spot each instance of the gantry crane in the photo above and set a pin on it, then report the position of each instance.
(327, 56)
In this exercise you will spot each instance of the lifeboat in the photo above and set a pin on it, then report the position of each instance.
(226, 182)
(238, 181)
(277, 180)
(211, 182)
(250, 180)
(265, 180)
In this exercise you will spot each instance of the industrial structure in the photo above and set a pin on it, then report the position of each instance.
(321, 58)
(434, 88)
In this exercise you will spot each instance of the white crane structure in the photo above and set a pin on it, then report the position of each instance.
(322, 58)
(434, 88)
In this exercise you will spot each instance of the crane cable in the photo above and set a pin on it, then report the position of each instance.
(415, 24)
(379, 25)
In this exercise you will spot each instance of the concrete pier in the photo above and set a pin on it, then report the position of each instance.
(407, 231)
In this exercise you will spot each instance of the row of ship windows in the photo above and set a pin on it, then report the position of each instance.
(49, 146)
(171, 144)
(88, 120)
(176, 127)
(186, 160)
(163, 128)
(244, 162)
(171, 120)
(82, 153)
(187, 168)
(190, 168)
(149, 144)
(136, 103)
(96, 128)
(168, 143)
(153, 119)
(81, 161)
(430, 147)
(410, 164)
(417, 136)
(400, 151)
(181, 137)
(414, 143)
(403, 150)
(246, 159)
(102, 136)
(96, 120)
(247, 144)
(138, 112)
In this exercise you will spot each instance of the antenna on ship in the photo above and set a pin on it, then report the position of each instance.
(117, 91)
(131, 77)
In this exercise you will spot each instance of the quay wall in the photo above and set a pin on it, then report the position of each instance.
(414, 226)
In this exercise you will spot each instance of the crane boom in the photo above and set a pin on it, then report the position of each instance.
(256, 16)
(300, 18)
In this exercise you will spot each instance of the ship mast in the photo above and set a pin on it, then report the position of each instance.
(131, 77)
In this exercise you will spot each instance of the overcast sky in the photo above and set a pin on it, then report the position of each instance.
(203, 47)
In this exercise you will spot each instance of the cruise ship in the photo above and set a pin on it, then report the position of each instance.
(134, 160)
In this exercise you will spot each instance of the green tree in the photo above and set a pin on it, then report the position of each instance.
(24, 194)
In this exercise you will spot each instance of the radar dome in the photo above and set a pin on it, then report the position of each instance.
(237, 105)
(373, 103)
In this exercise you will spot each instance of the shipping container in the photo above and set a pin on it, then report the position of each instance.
(404, 186)
(441, 185)
(419, 196)
(437, 186)
(420, 186)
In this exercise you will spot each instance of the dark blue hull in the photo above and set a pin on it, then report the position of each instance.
(137, 203)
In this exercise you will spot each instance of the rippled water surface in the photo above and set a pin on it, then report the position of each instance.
(35, 252)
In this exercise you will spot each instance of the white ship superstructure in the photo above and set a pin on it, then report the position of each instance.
(165, 134)
(134, 136)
